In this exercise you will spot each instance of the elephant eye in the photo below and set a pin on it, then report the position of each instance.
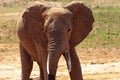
(69, 29)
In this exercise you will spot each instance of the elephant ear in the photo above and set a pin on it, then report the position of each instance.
(33, 21)
(82, 22)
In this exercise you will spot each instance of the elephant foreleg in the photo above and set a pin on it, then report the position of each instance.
(76, 72)
(26, 64)
(42, 54)
(41, 71)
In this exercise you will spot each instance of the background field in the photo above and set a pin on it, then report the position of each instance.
(99, 52)
(105, 33)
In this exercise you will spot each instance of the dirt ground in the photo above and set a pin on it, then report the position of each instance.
(97, 64)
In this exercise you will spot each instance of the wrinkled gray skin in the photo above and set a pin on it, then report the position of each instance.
(46, 33)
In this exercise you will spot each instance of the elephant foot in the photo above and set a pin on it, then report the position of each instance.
(31, 79)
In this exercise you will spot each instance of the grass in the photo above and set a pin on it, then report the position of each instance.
(8, 29)
(14, 7)
(105, 33)
(11, 9)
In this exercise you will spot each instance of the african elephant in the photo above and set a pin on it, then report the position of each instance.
(46, 33)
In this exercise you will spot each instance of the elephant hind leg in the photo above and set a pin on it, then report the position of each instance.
(26, 63)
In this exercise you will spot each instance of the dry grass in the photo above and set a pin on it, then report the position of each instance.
(8, 27)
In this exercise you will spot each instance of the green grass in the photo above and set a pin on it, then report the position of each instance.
(105, 33)
(109, 15)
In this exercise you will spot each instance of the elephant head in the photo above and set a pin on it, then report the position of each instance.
(59, 28)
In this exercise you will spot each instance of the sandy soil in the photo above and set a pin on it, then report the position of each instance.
(97, 64)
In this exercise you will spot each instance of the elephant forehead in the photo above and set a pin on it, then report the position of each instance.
(58, 11)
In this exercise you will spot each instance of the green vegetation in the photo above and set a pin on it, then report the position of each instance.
(105, 33)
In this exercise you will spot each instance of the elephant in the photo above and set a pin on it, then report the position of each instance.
(47, 32)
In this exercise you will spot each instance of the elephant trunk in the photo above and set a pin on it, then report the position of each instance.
(54, 53)
(53, 57)
(52, 63)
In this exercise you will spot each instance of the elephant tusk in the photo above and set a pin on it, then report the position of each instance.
(48, 65)
(68, 60)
